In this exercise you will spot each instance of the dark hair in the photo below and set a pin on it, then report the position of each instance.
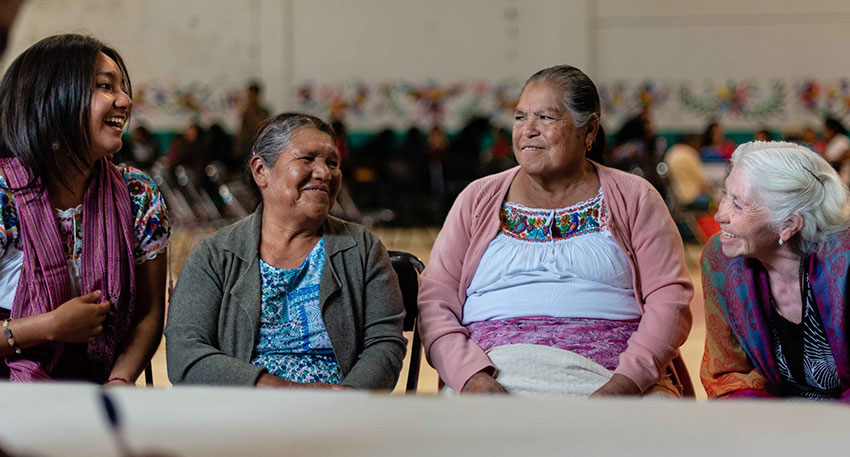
(255, 86)
(579, 97)
(632, 129)
(835, 125)
(275, 135)
(707, 133)
(45, 100)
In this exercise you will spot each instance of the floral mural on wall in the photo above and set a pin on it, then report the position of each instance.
(399, 104)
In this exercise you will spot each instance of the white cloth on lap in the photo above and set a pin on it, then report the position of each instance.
(533, 369)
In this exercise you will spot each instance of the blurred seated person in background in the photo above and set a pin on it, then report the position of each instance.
(810, 139)
(837, 151)
(559, 276)
(499, 156)
(189, 150)
(142, 150)
(715, 146)
(763, 134)
(775, 279)
(638, 150)
(289, 296)
(687, 177)
(220, 147)
(252, 115)
(82, 275)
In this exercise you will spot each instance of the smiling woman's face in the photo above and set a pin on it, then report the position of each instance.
(545, 139)
(109, 108)
(743, 220)
(306, 177)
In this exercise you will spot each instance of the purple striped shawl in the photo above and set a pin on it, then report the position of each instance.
(106, 264)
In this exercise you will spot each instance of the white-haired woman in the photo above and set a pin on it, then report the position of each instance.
(775, 278)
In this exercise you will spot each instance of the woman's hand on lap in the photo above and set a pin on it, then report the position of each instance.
(269, 380)
(618, 385)
(483, 383)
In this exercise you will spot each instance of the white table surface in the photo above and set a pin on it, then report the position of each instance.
(235, 422)
(54, 419)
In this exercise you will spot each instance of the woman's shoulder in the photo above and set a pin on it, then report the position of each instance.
(356, 233)
(836, 246)
(712, 255)
(234, 236)
(138, 181)
(143, 189)
(489, 189)
(624, 181)
(492, 182)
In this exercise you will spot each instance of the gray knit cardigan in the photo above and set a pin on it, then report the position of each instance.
(214, 312)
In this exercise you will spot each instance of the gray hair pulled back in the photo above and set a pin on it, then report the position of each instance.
(578, 96)
(275, 134)
(578, 93)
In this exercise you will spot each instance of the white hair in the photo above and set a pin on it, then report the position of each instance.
(791, 179)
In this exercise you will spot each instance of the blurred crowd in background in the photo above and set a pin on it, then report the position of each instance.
(411, 178)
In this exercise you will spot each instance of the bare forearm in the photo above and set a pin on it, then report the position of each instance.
(146, 334)
(28, 331)
(140, 348)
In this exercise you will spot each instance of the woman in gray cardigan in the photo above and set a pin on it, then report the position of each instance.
(289, 296)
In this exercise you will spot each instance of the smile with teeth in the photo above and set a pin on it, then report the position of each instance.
(117, 122)
(728, 235)
(531, 148)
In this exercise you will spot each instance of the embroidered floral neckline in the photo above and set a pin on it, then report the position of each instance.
(546, 225)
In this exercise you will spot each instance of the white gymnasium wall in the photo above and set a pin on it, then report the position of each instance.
(188, 59)
(731, 58)
(401, 62)
(393, 63)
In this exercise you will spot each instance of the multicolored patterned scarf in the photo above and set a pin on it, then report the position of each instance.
(739, 288)
(106, 265)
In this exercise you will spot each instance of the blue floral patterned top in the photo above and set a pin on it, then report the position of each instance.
(294, 343)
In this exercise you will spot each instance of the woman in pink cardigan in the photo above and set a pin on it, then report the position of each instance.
(560, 276)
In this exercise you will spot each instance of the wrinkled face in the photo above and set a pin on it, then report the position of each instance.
(306, 176)
(743, 220)
(545, 139)
(109, 108)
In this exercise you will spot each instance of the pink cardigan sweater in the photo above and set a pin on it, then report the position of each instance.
(639, 223)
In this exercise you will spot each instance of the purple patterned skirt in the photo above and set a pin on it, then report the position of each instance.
(600, 340)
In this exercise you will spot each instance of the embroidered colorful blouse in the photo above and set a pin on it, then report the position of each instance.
(294, 343)
(151, 230)
(543, 225)
(552, 262)
(554, 277)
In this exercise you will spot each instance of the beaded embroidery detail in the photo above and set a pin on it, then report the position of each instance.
(546, 225)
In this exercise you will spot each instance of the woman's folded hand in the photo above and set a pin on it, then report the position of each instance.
(483, 383)
(270, 380)
(616, 386)
(80, 319)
